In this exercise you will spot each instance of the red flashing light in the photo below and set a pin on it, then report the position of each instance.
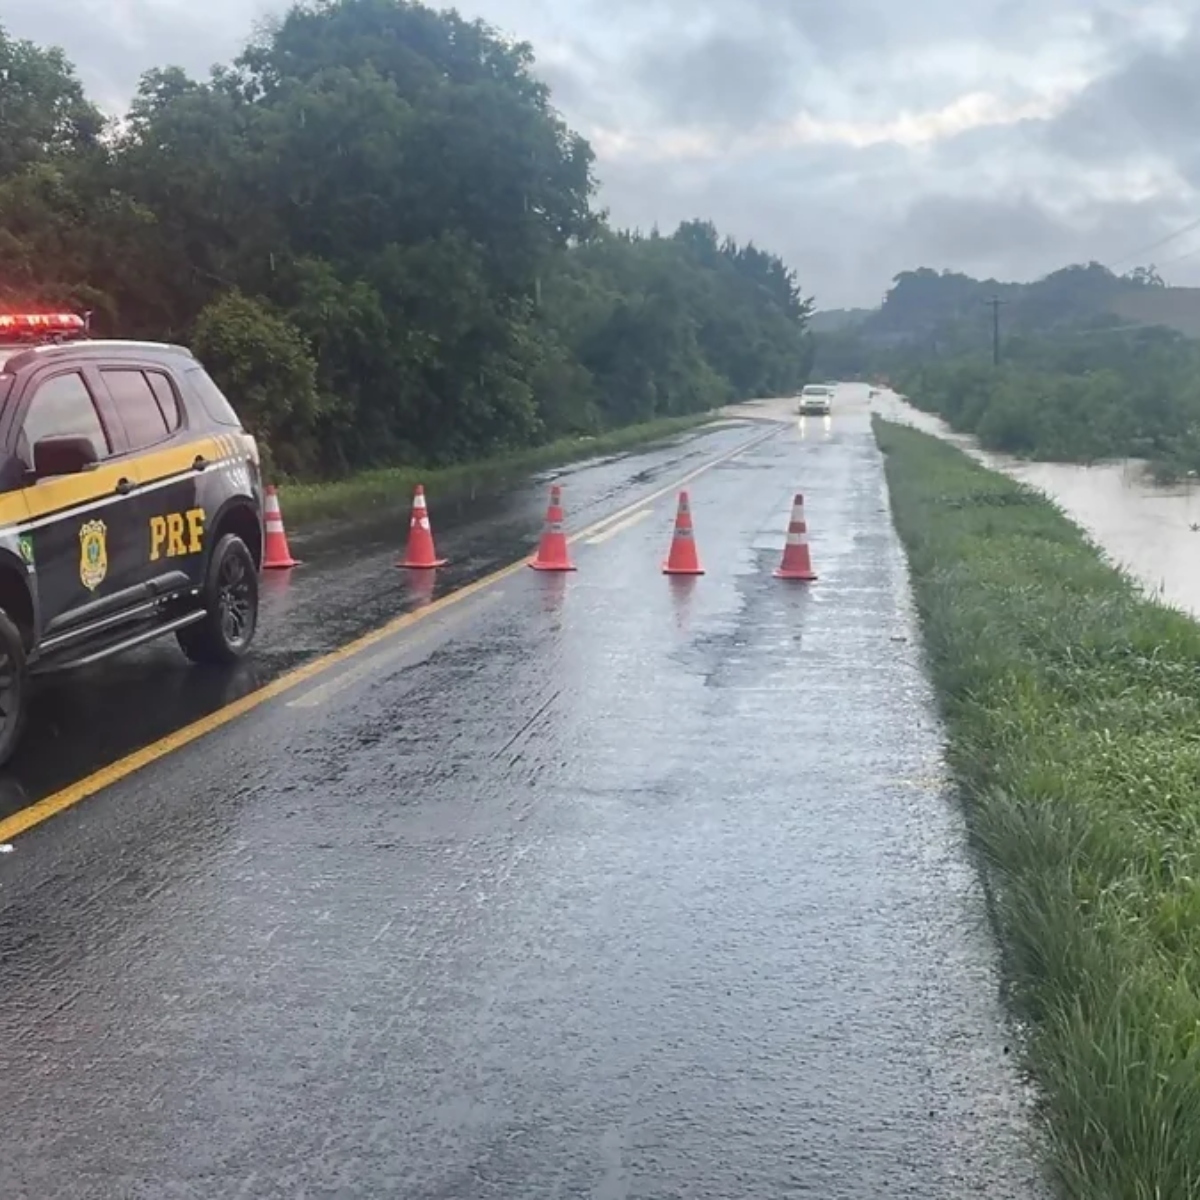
(41, 324)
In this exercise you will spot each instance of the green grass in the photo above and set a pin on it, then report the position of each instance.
(370, 491)
(1073, 710)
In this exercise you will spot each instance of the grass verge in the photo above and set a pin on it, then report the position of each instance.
(308, 503)
(1073, 710)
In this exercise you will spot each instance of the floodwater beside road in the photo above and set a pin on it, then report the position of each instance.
(621, 887)
(1152, 532)
(347, 584)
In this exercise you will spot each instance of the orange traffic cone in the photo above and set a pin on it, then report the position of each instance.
(420, 554)
(552, 550)
(796, 561)
(683, 559)
(276, 553)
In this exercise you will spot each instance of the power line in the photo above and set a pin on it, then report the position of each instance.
(1103, 329)
(1155, 245)
(1178, 258)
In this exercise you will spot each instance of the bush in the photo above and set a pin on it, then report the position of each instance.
(261, 359)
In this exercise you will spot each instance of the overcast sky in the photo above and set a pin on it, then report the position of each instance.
(856, 138)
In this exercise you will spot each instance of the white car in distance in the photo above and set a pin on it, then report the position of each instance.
(816, 400)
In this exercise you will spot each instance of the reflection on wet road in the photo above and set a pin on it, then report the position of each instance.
(348, 584)
(600, 886)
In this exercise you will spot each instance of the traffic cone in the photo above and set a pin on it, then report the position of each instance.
(420, 554)
(276, 554)
(796, 562)
(552, 550)
(683, 560)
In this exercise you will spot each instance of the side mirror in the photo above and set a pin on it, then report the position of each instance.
(63, 456)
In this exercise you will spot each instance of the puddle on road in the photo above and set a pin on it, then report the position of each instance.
(1145, 529)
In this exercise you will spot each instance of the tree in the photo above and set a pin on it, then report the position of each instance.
(380, 234)
(261, 357)
(44, 115)
(1145, 277)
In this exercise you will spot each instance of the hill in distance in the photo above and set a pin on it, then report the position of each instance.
(926, 304)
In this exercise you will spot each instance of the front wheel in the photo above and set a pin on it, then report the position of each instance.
(230, 599)
(14, 687)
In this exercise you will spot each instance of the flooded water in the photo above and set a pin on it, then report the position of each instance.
(1152, 532)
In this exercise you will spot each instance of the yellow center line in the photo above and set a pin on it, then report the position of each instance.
(620, 527)
(629, 509)
(67, 797)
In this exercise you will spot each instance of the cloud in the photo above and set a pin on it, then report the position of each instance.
(112, 42)
(719, 81)
(1150, 105)
(859, 138)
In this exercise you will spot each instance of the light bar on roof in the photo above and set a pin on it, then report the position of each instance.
(45, 324)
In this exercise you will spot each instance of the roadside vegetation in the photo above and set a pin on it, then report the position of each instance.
(1093, 365)
(388, 487)
(382, 239)
(1075, 398)
(1073, 711)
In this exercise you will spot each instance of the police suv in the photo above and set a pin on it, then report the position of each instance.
(130, 506)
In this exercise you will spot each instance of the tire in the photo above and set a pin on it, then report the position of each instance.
(230, 599)
(14, 688)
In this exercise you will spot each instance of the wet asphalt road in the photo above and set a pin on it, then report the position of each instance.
(603, 886)
(348, 584)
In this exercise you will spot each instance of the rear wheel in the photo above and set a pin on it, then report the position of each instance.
(230, 600)
(14, 687)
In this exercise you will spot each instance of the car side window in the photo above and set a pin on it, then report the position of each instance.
(62, 406)
(211, 397)
(145, 424)
(168, 401)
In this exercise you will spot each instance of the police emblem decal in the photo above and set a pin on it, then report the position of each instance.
(93, 554)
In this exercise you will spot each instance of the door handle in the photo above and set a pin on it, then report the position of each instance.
(125, 486)
(199, 462)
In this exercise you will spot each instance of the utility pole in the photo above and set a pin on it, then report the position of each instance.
(995, 302)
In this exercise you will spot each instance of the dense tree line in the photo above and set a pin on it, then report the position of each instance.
(1093, 365)
(1096, 393)
(381, 237)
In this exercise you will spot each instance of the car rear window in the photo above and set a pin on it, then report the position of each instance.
(211, 397)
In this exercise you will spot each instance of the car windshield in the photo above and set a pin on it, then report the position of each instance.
(815, 391)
